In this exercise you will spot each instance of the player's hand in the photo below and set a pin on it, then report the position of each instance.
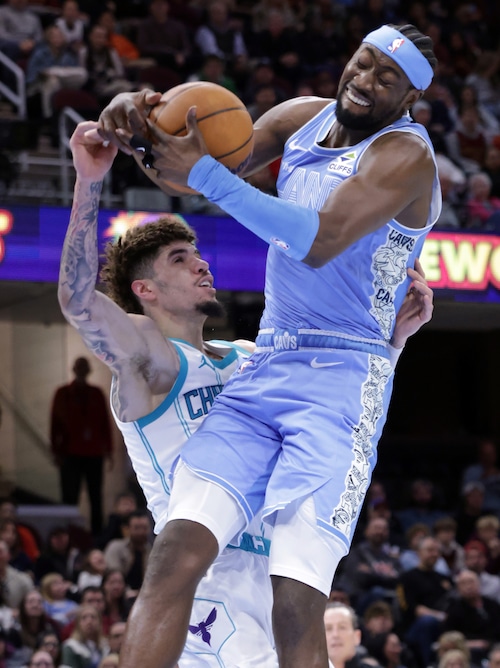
(171, 157)
(92, 156)
(127, 111)
(416, 308)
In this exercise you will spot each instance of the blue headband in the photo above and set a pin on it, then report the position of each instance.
(404, 53)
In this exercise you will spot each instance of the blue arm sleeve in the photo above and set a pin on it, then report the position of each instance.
(290, 227)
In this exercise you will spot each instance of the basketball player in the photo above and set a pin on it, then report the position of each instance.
(295, 431)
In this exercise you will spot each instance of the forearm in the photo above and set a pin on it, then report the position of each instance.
(80, 261)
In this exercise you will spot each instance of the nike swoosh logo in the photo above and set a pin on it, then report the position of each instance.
(319, 365)
(296, 147)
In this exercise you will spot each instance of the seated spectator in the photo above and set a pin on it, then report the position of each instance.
(90, 596)
(18, 557)
(20, 30)
(15, 584)
(494, 657)
(487, 531)
(50, 643)
(339, 594)
(59, 556)
(263, 73)
(41, 659)
(388, 651)
(476, 559)
(474, 615)
(279, 43)
(30, 538)
(213, 69)
(423, 596)
(106, 72)
(125, 504)
(343, 637)
(72, 24)
(86, 646)
(470, 510)
(445, 531)
(372, 567)
(409, 555)
(115, 636)
(453, 184)
(33, 622)
(117, 604)
(8, 616)
(377, 505)
(454, 658)
(377, 618)
(484, 80)
(486, 471)
(53, 66)
(94, 567)
(130, 555)
(164, 39)
(492, 165)
(467, 143)
(265, 98)
(468, 98)
(57, 605)
(447, 641)
(482, 208)
(423, 507)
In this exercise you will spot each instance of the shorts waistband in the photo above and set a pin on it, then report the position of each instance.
(255, 544)
(281, 340)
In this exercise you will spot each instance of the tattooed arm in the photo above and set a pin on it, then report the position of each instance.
(113, 336)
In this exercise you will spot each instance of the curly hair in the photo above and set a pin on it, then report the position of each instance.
(133, 255)
(422, 42)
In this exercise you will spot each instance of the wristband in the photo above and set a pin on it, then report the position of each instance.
(290, 227)
(394, 354)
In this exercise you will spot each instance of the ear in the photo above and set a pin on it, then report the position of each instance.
(143, 289)
(412, 97)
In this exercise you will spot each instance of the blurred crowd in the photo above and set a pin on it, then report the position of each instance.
(82, 52)
(422, 578)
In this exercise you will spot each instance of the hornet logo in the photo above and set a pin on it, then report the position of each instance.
(203, 628)
(396, 43)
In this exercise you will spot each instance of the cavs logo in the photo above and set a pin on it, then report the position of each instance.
(396, 43)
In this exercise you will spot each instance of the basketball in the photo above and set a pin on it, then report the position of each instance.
(223, 120)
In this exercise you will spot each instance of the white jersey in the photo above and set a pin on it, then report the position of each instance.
(230, 624)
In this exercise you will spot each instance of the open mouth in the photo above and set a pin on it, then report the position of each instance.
(355, 99)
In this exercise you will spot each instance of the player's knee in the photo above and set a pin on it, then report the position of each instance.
(291, 598)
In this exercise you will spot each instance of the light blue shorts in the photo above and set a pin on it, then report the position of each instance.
(302, 416)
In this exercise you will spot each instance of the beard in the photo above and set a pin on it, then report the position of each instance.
(366, 122)
(212, 309)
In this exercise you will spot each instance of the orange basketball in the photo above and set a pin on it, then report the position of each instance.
(222, 117)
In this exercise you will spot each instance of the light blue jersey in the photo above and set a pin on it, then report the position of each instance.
(303, 416)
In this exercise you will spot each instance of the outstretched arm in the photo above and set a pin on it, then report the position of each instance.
(106, 329)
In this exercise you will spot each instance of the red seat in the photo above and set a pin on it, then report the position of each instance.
(160, 78)
(83, 102)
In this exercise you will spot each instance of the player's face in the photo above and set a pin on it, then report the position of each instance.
(373, 91)
(184, 280)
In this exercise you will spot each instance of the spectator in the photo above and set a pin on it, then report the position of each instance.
(213, 69)
(94, 567)
(57, 605)
(34, 621)
(110, 661)
(423, 597)
(476, 559)
(494, 657)
(422, 508)
(454, 658)
(86, 646)
(450, 640)
(124, 47)
(59, 556)
(117, 603)
(115, 636)
(49, 642)
(51, 67)
(468, 98)
(486, 471)
(487, 530)
(20, 30)
(470, 510)
(14, 583)
(485, 78)
(467, 143)
(41, 659)
(445, 531)
(71, 24)
(492, 166)
(279, 43)
(125, 504)
(130, 555)
(18, 557)
(106, 78)
(80, 425)
(164, 39)
(453, 183)
(474, 615)
(30, 539)
(387, 650)
(372, 567)
(483, 210)
(377, 618)
(343, 636)
(90, 596)
(265, 98)
(218, 36)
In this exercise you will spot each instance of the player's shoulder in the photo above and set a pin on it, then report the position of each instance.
(288, 116)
